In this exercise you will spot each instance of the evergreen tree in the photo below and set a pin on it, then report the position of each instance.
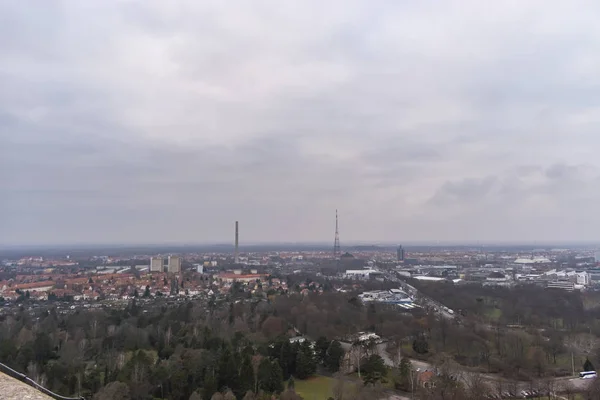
(274, 350)
(246, 376)
(321, 345)
(228, 371)
(305, 361)
(374, 370)
(287, 359)
(276, 378)
(588, 366)
(264, 374)
(403, 381)
(334, 355)
(420, 345)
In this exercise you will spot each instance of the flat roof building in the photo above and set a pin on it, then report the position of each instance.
(174, 264)
(156, 264)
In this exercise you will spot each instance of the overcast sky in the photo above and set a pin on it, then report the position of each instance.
(158, 121)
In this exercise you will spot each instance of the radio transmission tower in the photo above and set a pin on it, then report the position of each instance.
(336, 244)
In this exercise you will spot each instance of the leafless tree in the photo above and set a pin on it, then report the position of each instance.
(195, 396)
(512, 386)
(582, 343)
(394, 349)
(549, 387)
(593, 390)
(356, 354)
(499, 387)
(113, 391)
(568, 389)
(94, 328)
(229, 396)
(249, 396)
(168, 335)
(339, 387)
(475, 385)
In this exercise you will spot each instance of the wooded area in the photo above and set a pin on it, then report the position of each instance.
(240, 348)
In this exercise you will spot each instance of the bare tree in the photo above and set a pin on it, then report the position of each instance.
(499, 387)
(549, 387)
(113, 391)
(593, 390)
(394, 349)
(94, 328)
(512, 386)
(195, 396)
(356, 354)
(582, 343)
(229, 396)
(475, 385)
(568, 389)
(168, 335)
(249, 396)
(339, 387)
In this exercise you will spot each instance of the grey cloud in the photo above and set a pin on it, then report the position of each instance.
(161, 122)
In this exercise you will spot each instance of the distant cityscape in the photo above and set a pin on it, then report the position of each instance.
(117, 276)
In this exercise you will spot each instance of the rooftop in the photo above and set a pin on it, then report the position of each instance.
(12, 389)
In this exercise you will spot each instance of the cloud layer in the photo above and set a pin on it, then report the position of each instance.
(152, 121)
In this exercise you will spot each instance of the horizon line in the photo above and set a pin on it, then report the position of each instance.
(350, 243)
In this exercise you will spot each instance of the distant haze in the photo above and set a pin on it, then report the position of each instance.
(165, 121)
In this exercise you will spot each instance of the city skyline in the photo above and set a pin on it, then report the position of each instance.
(159, 122)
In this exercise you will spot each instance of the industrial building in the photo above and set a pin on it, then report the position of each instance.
(564, 285)
(361, 273)
(392, 296)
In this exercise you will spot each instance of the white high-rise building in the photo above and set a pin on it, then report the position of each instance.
(174, 264)
(156, 264)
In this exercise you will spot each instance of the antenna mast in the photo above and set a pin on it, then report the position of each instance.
(336, 244)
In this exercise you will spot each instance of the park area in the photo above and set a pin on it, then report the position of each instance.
(315, 388)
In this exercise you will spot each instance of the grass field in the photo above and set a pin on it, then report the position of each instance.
(318, 387)
(315, 388)
(494, 314)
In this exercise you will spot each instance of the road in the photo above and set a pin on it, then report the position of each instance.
(421, 299)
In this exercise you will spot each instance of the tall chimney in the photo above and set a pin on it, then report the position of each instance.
(237, 242)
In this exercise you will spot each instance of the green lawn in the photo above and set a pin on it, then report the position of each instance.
(494, 314)
(316, 388)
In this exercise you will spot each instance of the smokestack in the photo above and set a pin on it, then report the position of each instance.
(237, 243)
